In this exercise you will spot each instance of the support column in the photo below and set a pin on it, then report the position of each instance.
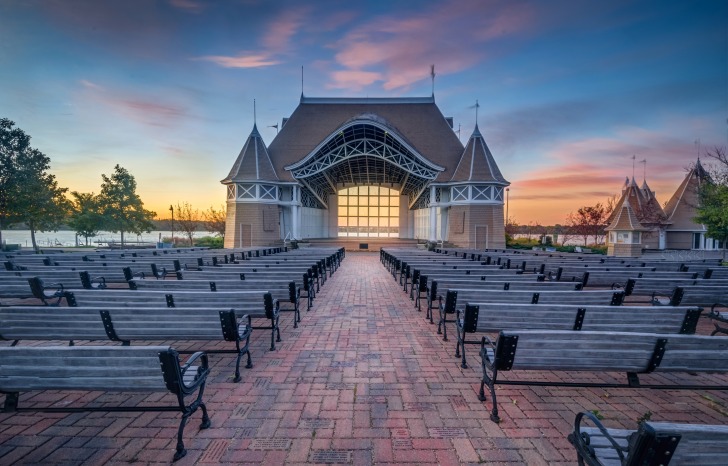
(433, 215)
(296, 212)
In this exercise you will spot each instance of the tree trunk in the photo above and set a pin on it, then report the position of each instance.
(32, 237)
(1, 239)
(122, 239)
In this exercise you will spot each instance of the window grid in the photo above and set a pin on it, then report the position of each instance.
(368, 211)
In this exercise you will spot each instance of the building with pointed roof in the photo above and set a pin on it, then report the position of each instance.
(366, 168)
(638, 221)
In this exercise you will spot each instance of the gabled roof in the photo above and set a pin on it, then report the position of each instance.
(477, 163)
(625, 220)
(680, 209)
(646, 208)
(253, 162)
(417, 120)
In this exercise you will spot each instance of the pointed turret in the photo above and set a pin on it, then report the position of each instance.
(625, 219)
(477, 162)
(643, 203)
(680, 209)
(253, 162)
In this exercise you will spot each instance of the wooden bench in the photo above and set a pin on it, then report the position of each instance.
(242, 302)
(284, 292)
(704, 294)
(653, 443)
(587, 351)
(577, 298)
(126, 324)
(107, 368)
(494, 317)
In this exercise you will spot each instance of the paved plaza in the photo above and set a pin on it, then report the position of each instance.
(363, 380)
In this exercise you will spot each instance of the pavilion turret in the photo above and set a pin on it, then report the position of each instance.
(477, 190)
(252, 195)
(625, 233)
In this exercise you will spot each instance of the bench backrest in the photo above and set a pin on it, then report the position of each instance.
(610, 351)
(108, 368)
(493, 317)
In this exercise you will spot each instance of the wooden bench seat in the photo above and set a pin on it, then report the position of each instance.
(658, 443)
(577, 298)
(127, 324)
(289, 292)
(258, 304)
(107, 368)
(588, 351)
(494, 317)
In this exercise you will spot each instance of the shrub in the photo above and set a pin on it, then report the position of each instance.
(214, 242)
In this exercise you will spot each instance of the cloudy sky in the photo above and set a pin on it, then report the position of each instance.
(569, 91)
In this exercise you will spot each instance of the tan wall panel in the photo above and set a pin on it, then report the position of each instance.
(470, 216)
(256, 216)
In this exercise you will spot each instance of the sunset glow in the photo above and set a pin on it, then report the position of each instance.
(569, 91)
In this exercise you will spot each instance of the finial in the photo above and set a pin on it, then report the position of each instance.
(432, 75)
(644, 170)
(634, 157)
(301, 81)
(255, 120)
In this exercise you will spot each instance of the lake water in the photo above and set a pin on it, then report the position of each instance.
(68, 238)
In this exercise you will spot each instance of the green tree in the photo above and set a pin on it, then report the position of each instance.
(121, 206)
(30, 194)
(215, 220)
(13, 145)
(86, 218)
(712, 210)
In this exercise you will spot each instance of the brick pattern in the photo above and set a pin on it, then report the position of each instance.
(364, 380)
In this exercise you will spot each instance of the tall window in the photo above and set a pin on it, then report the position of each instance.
(369, 211)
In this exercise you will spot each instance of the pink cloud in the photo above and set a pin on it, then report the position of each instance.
(451, 35)
(280, 32)
(154, 112)
(241, 61)
(275, 41)
(354, 79)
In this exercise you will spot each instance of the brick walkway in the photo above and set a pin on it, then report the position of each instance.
(363, 380)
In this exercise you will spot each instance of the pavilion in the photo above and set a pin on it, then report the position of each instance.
(367, 169)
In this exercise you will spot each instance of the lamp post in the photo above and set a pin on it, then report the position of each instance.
(171, 209)
(508, 192)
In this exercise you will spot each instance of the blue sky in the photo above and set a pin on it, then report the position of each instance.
(569, 91)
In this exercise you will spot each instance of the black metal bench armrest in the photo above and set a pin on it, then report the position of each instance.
(202, 370)
(659, 299)
(581, 440)
(487, 342)
(713, 314)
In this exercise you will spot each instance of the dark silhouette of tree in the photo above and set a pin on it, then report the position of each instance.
(121, 206)
(188, 219)
(215, 220)
(589, 221)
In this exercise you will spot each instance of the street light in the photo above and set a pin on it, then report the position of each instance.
(508, 192)
(171, 209)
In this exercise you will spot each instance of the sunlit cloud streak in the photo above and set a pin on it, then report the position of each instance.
(401, 49)
(240, 61)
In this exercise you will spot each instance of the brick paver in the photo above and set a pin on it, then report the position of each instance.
(363, 380)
